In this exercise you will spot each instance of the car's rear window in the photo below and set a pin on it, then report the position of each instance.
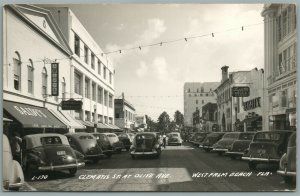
(50, 140)
(85, 137)
(144, 137)
(111, 135)
(246, 136)
(267, 136)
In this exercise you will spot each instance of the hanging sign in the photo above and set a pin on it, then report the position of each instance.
(240, 91)
(54, 79)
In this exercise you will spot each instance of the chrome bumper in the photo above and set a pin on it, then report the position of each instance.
(219, 150)
(207, 147)
(286, 173)
(141, 153)
(61, 167)
(93, 156)
(260, 159)
(234, 153)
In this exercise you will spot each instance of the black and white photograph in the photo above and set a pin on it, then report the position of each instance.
(149, 97)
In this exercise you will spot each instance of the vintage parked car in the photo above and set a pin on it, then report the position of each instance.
(146, 143)
(13, 177)
(190, 138)
(126, 139)
(104, 144)
(287, 165)
(267, 147)
(86, 144)
(239, 146)
(49, 152)
(225, 142)
(115, 142)
(174, 138)
(210, 140)
(199, 138)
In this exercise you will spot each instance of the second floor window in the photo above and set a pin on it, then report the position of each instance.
(77, 83)
(17, 74)
(100, 95)
(86, 53)
(110, 101)
(87, 88)
(93, 61)
(99, 67)
(105, 98)
(77, 45)
(94, 92)
(104, 72)
(30, 78)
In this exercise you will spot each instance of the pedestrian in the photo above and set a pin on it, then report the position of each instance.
(164, 140)
(16, 141)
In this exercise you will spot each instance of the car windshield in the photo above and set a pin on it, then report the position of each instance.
(246, 136)
(214, 135)
(50, 140)
(111, 135)
(174, 135)
(267, 136)
(231, 136)
(85, 137)
(101, 137)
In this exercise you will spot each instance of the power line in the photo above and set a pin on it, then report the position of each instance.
(139, 47)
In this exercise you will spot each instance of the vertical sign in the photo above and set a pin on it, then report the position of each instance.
(54, 79)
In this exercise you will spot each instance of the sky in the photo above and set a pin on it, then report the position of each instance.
(152, 78)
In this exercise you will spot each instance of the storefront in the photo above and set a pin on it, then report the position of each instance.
(28, 119)
(253, 122)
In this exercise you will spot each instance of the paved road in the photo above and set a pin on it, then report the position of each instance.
(180, 168)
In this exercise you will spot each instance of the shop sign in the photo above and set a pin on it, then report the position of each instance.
(26, 111)
(240, 91)
(251, 104)
(54, 79)
(71, 104)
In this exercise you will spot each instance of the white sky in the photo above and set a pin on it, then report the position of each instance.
(162, 70)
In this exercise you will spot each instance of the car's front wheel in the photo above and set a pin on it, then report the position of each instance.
(232, 157)
(252, 165)
(73, 171)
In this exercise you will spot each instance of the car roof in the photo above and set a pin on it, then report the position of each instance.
(144, 133)
(276, 131)
(109, 134)
(34, 140)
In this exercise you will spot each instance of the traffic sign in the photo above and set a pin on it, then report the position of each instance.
(240, 91)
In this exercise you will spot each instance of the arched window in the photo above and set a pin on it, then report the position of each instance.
(63, 88)
(17, 72)
(30, 77)
(44, 81)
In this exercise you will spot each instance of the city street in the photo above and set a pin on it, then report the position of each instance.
(175, 170)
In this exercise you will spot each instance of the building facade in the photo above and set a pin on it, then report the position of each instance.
(229, 107)
(32, 42)
(196, 95)
(280, 66)
(124, 114)
(91, 74)
(210, 117)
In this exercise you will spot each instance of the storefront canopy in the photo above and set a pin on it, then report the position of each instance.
(86, 123)
(69, 121)
(31, 116)
(102, 126)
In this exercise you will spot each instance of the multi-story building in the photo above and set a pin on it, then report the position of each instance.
(210, 117)
(32, 42)
(124, 114)
(197, 121)
(228, 106)
(196, 95)
(280, 66)
(91, 74)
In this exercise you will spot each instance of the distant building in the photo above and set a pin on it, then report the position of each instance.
(229, 107)
(124, 114)
(140, 122)
(280, 66)
(196, 95)
(210, 117)
(197, 121)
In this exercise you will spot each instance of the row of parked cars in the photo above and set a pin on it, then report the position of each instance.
(275, 148)
(51, 152)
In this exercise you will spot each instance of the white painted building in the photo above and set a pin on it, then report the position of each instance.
(196, 95)
(124, 114)
(32, 41)
(280, 66)
(91, 75)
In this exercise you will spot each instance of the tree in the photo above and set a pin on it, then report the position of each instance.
(151, 125)
(163, 122)
(179, 119)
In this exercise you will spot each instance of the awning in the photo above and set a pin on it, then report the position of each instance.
(7, 120)
(86, 123)
(256, 118)
(102, 126)
(115, 127)
(67, 119)
(32, 116)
